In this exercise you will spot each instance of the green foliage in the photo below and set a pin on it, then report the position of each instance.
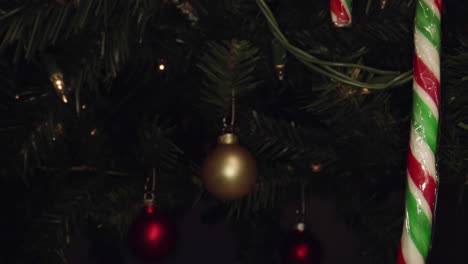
(229, 68)
(453, 139)
(282, 142)
(164, 153)
(35, 26)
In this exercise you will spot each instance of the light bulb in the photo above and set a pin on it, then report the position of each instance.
(316, 167)
(59, 85)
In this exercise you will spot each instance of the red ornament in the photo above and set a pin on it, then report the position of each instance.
(302, 251)
(301, 248)
(151, 236)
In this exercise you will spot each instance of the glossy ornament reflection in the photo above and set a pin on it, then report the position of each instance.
(151, 236)
(230, 170)
(301, 248)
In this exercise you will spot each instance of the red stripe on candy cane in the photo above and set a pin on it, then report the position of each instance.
(426, 79)
(422, 179)
(401, 259)
(339, 10)
(438, 4)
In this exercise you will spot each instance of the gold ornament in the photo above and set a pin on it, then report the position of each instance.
(230, 170)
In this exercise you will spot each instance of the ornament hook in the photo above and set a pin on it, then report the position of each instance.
(148, 197)
(300, 225)
(303, 199)
(229, 128)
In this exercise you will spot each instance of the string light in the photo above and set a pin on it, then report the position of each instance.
(162, 65)
(17, 97)
(365, 91)
(279, 59)
(83, 107)
(280, 71)
(93, 132)
(383, 3)
(317, 167)
(59, 85)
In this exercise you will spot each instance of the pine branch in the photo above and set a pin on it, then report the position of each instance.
(285, 153)
(86, 168)
(228, 66)
(271, 188)
(455, 112)
(276, 140)
(101, 33)
(159, 151)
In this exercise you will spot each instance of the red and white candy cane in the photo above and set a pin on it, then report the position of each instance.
(341, 12)
(422, 175)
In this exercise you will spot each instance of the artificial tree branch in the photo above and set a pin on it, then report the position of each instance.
(85, 168)
(325, 67)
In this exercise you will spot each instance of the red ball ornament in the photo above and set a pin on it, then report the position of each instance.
(301, 248)
(151, 236)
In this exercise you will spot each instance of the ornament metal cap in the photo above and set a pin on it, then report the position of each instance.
(149, 199)
(228, 139)
(300, 226)
(280, 71)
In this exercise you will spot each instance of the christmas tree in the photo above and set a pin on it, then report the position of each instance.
(97, 93)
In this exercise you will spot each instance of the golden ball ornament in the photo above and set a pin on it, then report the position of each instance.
(230, 170)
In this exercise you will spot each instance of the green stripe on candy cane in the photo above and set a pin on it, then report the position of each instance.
(424, 122)
(348, 5)
(428, 23)
(419, 225)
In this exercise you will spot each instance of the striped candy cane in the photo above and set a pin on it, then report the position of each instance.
(341, 12)
(422, 174)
